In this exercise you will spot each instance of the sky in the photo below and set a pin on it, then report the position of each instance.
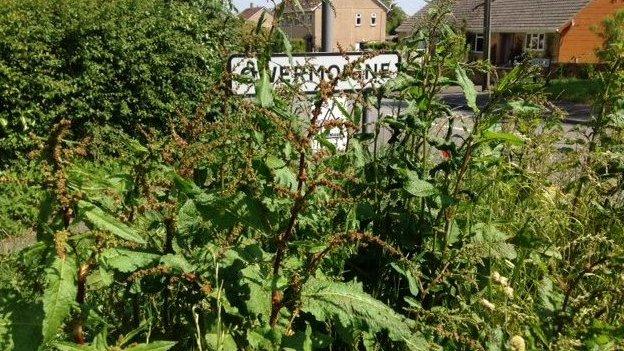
(410, 6)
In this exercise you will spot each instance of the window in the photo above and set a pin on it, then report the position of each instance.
(358, 19)
(535, 42)
(373, 19)
(478, 43)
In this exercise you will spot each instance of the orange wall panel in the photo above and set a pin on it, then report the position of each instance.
(579, 42)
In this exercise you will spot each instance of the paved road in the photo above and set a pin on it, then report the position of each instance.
(577, 113)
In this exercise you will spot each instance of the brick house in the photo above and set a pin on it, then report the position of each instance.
(558, 30)
(253, 14)
(355, 22)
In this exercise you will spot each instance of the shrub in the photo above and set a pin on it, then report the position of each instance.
(126, 63)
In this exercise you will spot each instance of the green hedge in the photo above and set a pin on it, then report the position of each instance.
(120, 62)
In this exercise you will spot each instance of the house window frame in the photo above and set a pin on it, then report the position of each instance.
(540, 40)
(358, 19)
(373, 19)
(475, 44)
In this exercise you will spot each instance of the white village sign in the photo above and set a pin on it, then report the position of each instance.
(307, 71)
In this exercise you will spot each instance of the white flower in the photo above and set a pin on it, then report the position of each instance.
(487, 304)
(509, 291)
(496, 277)
(504, 281)
(516, 343)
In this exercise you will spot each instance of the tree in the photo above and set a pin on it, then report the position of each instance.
(396, 16)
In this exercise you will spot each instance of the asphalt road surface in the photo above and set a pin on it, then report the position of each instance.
(573, 125)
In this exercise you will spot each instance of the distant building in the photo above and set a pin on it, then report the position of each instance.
(558, 30)
(253, 14)
(355, 22)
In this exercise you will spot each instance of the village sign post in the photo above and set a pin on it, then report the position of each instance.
(306, 71)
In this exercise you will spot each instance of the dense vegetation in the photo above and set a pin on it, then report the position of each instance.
(574, 89)
(235, 223)
(124, 63)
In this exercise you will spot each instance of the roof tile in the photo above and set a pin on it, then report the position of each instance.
(509, 15)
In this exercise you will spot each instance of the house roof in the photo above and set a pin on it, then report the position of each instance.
(509, 15)
(311, 5)
(250, 11)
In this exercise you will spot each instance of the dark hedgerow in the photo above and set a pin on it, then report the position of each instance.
(124, 63)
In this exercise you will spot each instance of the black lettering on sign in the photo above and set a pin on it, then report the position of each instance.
(370, 71)
(333, 68)
(385, 67)
(250, 70)
(274, 74)
(319, 72)
(298, 73)
(285, 73)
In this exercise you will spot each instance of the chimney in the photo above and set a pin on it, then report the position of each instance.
(251, 5)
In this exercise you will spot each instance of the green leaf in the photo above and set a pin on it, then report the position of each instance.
(128, 261)
(550, 297)
(415, 186)
(258, 303)
(411, 281)
(227, 212)
(223, 341)
(286, 178)
(348, 305)
(491, 242)
(509, 138)
(260, 23)
(20, 321)
(274, 162)
(324, 141)
(419, 188)
(468, 87)
(616, 119)
(186, 186)
(154, 346)
(104, 221)
(287, 44)
(59, 295)
(64, 346)
(357, 153)
(522, 106)
(264, 91)
(177, 262)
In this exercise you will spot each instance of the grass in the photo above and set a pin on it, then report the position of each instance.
(573, 89)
